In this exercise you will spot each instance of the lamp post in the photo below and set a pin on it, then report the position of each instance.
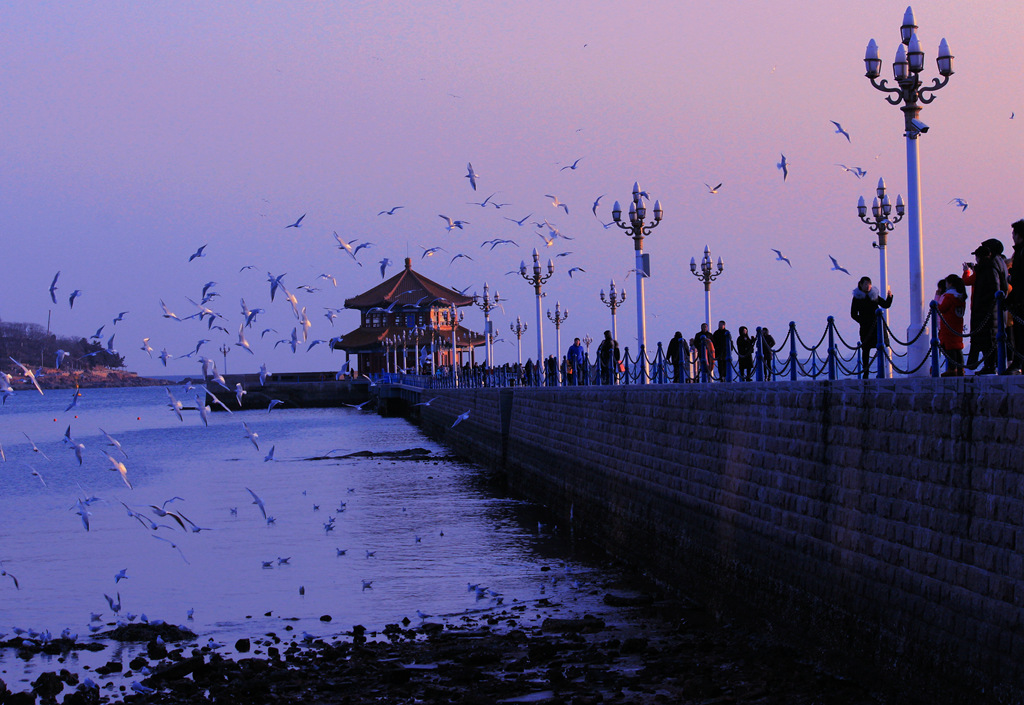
(613, 303)
(518, 329)
(453, 318)
(587, 340)
(224, 350)
(637, 230)
(558, 319)
(487, 304)
(706, 275)
(912, 94)
(882, 222)
(537, 278)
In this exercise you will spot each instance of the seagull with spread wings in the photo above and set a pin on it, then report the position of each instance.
(779, 257)
(840, 130)
(836, 267)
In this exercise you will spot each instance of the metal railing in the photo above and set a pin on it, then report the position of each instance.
(831, 357)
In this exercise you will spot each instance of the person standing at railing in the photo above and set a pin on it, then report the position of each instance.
(1015, 300)
(745, 354)
(704, 343)
(678, 355)
(951, 308)
(767, 343)
(866, 300)
(983, 277)
(574, 363)
(608, 357)
(722, 339)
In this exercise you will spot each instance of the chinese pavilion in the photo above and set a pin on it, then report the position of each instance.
(409, 318)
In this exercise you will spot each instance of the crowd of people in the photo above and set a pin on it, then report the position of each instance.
(708, 355)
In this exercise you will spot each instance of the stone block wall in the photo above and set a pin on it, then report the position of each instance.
(887, 516)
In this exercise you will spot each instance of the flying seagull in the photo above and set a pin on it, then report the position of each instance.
(855, 170)
(961, 203)
(197, 253)
(297, 223)
(518, 222)
(383, 266)
(74, 295)
(840, 130)
(778, 256)
(712, 189)
(572, 166)
(461, 417)
(556, 203)
(836, 267)
(390, 212)
(53, 287)
(597, 202)
(471, 175)
(784, 165)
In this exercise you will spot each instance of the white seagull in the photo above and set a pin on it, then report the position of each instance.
(784, 166)
(836, 267)
(471, 175)
(461, 417)
(840, 130)
(960, 203)
(556, 203)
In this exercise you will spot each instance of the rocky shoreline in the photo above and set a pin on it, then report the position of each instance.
(95, 378)
(613, 645)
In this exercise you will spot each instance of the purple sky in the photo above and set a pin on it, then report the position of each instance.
(136, 132)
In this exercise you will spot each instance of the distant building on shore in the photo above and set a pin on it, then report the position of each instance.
(404, 317)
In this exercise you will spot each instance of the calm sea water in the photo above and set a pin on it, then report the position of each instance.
(420, 531)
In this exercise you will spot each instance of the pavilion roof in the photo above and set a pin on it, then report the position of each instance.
(408, 288)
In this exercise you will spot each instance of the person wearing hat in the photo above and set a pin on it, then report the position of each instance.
(1015, 300)
(984, 279)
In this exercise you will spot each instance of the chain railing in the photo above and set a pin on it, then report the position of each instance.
(832, 357)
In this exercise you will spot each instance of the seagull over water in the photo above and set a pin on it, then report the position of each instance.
(960, 203)
(836, 267)
(461, 417)
(840, 130)
(778, 256)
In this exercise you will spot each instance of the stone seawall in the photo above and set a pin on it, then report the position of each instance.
(885, 516)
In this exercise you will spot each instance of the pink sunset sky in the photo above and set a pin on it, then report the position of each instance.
(136, 132)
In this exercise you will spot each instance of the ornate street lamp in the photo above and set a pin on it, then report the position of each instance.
(224, 350)
(637, 230)
(911, 93)
(518, 329)
(706, 275)
(613, 303)
(882, 222)
(453, 317)
(487, 304)
(558, 319)
(587, 340)
(537, 279)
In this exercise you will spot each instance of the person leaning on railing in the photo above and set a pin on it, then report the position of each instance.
(866, 300)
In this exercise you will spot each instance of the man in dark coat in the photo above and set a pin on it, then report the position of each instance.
(678, 355)
(984, 279)
(866, 300)
(608, 357)
(723, 351)
(1015, 301)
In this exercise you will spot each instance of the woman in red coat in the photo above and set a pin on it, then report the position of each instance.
(952, 307)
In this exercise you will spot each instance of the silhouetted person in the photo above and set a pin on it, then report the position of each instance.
(866, 300)
(608, 355)
(678, 355)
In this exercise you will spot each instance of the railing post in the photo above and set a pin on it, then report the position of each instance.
(880, 342)
(642, 363)
(831, 348)
(935, 339)
(758, 357)
(792, 351)
(728, 357)
(625, 365)
(1000, 332)
(659, 361)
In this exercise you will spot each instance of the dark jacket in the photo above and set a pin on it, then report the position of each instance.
(722, 339)
(678, 349)
(983, 290)
(745, 346)
(862, 310)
